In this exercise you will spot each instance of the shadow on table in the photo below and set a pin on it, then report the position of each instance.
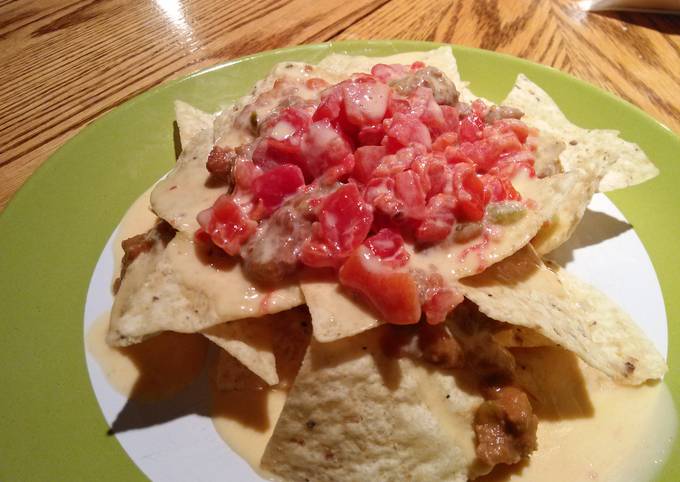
(664, 23)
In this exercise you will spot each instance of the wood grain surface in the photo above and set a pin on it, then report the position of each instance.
(64, 63)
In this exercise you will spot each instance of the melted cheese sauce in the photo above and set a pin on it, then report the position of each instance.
(224, 284)
(245, 420)
(138, 219)
(152, 370)
(335, 312)
(188, 188)
(160, 366)
(623, 434)
(455, 260)
(456, 425)
(627, 439)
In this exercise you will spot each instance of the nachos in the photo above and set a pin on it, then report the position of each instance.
(369, 234)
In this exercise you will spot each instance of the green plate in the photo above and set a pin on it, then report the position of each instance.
(53, 231)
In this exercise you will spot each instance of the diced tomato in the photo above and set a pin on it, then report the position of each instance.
(389, 247)
(272, 187)
(393, 293)
(486, 152)
(371, 135)
(409, 191)
(450, 118)
(379, 193)
(430, 113)
(455, 154)
(322, 147)
(388, 166)
(288, 123)
(499, 189)
(497, 147)
(516, 126)
(471, 126)
(479, 108)
(338, 171)
(280, 141)
(365, 101)
(511, 165)
(440, 304)
(469, 130)
(443, 141)
(433, 230)
(226, 224)
(366, 159)
(316, 83)
(387, 73)
(506, 143)
(283, 151)
(404, 165)
(398, 105)
(419, 101)
(344, 222)
(469, 192)
(480, 153)
(331, 104)
(439, 221)
(434, 173)
(437, 298)
(245, 172)
(201, 236)
(393, 164)
(407, 129)
(439, 175)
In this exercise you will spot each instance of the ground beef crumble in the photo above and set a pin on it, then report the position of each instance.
(162, 232)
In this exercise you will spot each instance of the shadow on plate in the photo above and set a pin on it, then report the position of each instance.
(192, 395)
(595, 227)
(194, 399)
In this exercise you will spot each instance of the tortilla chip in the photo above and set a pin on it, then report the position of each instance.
(547, 155)
(562, 225)
(232, 375)
(586, 148)
(185, 290)
(133, 302)
(187, 190)
(441, 58)
(272, 346)
(558, 229)
(227, 131)
(510, 336)
(190, 121)
(522, 291)
(457, 260)
(355, 414)
(249, 341)
(558, 382)
(337, 314)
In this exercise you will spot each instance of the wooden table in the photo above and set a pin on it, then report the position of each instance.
(64, 62)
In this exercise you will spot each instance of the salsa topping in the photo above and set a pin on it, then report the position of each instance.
(380, 161)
